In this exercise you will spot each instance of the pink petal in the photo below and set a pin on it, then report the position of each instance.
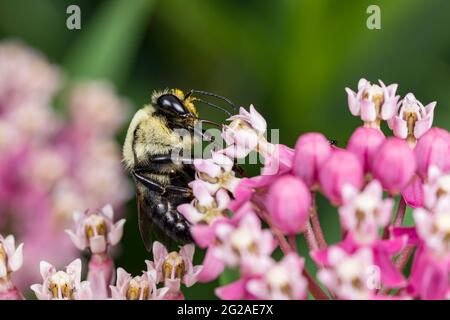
(368, 112)
(84, 292)
(39, 292)
(74, 270)
(208, 167)
(410, 232)
(15, 261)
(353, 103)
(115, 235)
(108, 211)
(389, 109)
(399, 127)
(414, 193)
(190, 213)
(232, 291)
(390, 275)
(212, 267)
(187, 251)
(46, 269)
(423, 125)
(79, 242)
(159, 251)
(122, 277)
(203, 235)
(257, 121)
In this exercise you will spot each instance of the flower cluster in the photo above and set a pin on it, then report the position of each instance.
(371, 182)
(52, 164)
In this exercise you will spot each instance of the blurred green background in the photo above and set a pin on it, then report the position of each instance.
(291, 58)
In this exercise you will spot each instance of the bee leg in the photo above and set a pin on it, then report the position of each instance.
(157, 187)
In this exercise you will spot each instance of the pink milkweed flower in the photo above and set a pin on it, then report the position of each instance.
(352, 276)
(62, 285)
(96, 109)
(373, 102)
(11, 259)
(394, 164)
(236, 290)
(437, 188)
(246, 245)
(413, 119)
(282, 281)
(174, 268)
(141, 287)
(244, 133)
(288, 202)
(205, 207)
(364, 143)
(96, 230)
(433, 148)
(217, 172)
(363, 213)
(311, 151)
(342, 167)
(430, 271)
(278, 160)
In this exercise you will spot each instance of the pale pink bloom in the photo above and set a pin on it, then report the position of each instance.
(394, 164)
(363, 213)
(205, 207)
(373, 102)
(217, 172)
(11, 258)
(364, 143)
(437, 188)
(433, 148)
(413, 119)
(282, 281)
(434, 229)
(278, 160)
(413, 193)
(96, 108)
(288, 202)
(236, 290)
(341, 167)
(96, 230)
(25, 76)
(311, 151)
(246, 245)
(350, 276)
(174, 268)
(141, 287)
(62, 285)
(244, 133)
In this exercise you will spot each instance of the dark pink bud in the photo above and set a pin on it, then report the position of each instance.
(342, 167)
(364, 142)
(394, 164)
(288, 203)
(311, 150)
(433, 148)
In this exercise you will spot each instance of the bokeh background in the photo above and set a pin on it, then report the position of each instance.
(291, 58)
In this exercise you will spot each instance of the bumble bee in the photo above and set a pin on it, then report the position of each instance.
(161, 182)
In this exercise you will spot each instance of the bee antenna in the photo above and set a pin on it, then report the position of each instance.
(206, 93)
(214, 106)
(209, 122)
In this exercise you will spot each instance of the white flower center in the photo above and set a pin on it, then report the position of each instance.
(278, 277)
(61, 285)
(366, 202)
(443, 222)
(242, 239)
(138, 288)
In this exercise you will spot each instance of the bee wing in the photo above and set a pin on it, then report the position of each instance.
(150, 232)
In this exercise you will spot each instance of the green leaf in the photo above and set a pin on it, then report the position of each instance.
(229, 276)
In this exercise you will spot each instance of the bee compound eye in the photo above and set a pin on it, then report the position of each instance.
(171, 104)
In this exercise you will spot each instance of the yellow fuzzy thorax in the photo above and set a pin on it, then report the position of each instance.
(188, 102)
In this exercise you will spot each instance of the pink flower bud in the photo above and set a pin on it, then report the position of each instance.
(288, 202)
(433, 148)
(311, 150)
(394, 164)
(364, 142)
(341, 168)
